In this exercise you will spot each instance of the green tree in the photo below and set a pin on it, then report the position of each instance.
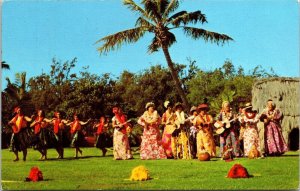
(48, 91)
(155, 18)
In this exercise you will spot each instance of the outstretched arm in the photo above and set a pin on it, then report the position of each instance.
(28, 119)
(84, 123)
(48, 120)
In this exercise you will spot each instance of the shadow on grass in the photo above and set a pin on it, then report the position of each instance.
(78, 158)
(46, 179)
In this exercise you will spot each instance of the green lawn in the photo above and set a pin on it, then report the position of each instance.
(92, 172)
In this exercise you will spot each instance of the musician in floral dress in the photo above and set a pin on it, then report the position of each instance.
(180, 145)
(21, 138)
(168, 120)
(193, 131)
(229, 137)
(205, 139)
(77, 136)
(250, 136)
(151, 146)
(121, 148)
(274, 141)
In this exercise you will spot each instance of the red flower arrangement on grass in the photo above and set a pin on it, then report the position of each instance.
(238, 171)
(35, 175)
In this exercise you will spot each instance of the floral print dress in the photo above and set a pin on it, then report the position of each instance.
(151, 146)
(250, 134)
(169, 127)
(274, 141)
(121, 148)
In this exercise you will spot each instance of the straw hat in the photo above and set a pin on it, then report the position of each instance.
(203, 106)
(149, 104)
(178, 104)
(248, 108)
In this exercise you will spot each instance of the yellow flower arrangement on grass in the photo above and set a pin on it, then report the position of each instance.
(139, 173)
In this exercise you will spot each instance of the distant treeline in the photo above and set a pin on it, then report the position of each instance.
(92, 95)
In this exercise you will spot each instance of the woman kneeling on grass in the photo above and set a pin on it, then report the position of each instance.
(151, 146)
(76, 134)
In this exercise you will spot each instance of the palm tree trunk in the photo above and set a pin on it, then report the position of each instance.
(175, 77)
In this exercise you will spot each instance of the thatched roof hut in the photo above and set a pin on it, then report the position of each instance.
(286, 95)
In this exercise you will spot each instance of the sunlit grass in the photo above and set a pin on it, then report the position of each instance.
(91, 172)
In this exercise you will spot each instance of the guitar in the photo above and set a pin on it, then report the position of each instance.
(220, 125)
(119, 126)
(179, 125)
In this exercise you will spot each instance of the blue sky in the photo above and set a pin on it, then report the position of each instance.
(265, 32)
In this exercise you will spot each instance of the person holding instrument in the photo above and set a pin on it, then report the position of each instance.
(168, 120)
(151, 146)
(274, 142)
(121, 148)
(229, 122)
(205, 140)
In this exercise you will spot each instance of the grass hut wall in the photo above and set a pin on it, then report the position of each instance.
(285, 94)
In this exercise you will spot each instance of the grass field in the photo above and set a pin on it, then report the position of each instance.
(93, 172)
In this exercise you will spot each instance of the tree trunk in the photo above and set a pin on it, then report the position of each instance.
(176, 79)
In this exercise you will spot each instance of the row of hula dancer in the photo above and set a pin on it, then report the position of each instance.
(184, 136)
(42, 136)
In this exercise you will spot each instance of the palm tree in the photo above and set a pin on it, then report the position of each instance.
(4, 65)
(17, 91)
(154, 18)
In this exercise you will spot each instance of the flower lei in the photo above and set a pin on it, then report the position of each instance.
(250, 115)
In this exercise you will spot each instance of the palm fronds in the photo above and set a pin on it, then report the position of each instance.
(154, 46)
(186, 18)
(134, 7)
(151, 7)
(4, 65)
(141, 22)
(172, 6)
(197, 33)
(115, 41)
